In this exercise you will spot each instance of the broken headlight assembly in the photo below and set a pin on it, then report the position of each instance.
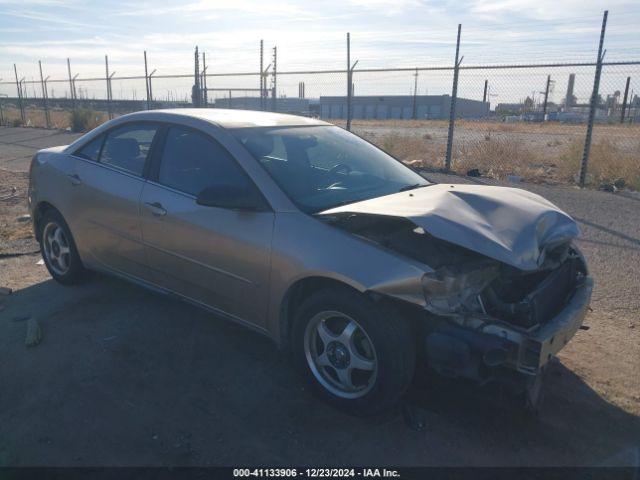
(447, 289)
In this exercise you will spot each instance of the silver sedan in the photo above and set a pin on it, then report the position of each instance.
(321, 241)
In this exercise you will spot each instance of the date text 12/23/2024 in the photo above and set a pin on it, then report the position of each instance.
(315, 472)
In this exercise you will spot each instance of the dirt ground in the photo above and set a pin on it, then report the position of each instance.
(124, 376)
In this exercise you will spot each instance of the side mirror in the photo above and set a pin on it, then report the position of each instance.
(231, 197)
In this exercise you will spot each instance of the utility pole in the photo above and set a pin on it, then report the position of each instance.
(546, 99)
(594, 102)
(261, 75)
(625, 98)
(195, 94)
(204, 78)
(484, 95)
(275, 79)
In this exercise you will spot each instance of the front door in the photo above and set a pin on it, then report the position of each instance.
(216, 256)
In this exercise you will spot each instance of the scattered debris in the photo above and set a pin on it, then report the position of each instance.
(619, 183)
(11, 196)
(34, 333)
(414, 417)
(24, 218)
(40, 262)
(474, 172)
(514, 178)
(413, 163)
(607, 187)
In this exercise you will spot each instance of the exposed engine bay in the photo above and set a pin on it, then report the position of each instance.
(468, 283)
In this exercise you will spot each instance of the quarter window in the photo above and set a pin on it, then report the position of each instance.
(192, 162)
(127, 147)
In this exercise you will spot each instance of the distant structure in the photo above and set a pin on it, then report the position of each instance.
(570, 99)
(401, 107)
(298, 106)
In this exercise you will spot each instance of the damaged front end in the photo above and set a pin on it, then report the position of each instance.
(483, 316)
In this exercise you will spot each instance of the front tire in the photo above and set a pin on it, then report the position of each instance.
(59, 250)
(358, 355)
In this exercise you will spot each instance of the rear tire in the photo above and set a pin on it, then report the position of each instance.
(59, 250)
(356, 354)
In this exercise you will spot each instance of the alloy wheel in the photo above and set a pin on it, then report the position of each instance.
(340, 354)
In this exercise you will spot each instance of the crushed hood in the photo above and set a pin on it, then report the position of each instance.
(510, 225)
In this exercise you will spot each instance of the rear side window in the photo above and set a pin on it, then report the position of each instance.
(91, 151)
(128, 147)
(192, 162)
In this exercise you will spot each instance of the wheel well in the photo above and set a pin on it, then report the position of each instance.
(302, 289)
(294, 297)
(40, 210)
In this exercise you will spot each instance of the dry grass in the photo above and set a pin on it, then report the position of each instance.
(608, 163)
(413, 150)
(500, 157)
(60, 119)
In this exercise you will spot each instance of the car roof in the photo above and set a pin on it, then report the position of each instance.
(231, 118)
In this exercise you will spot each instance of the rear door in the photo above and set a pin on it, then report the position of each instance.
(215, 256)
(108, 183)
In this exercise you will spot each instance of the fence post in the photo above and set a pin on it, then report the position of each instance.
(1, 112)
(452, 110)
(44, 97)
(21, 106)
(106, 67)
(205, 97)
(414, 110)
(151, 87)
(624, 101)
(348, 81)
(593, 104)
(72, 87)
(146, 80)
(546, 99)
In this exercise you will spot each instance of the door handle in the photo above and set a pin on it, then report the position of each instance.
(156, 209)
(74, 178)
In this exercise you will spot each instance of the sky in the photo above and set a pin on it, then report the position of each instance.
(308, 34)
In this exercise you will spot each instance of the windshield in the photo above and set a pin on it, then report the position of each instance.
(321, 167)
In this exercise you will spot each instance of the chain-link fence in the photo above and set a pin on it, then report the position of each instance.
(517, 122)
